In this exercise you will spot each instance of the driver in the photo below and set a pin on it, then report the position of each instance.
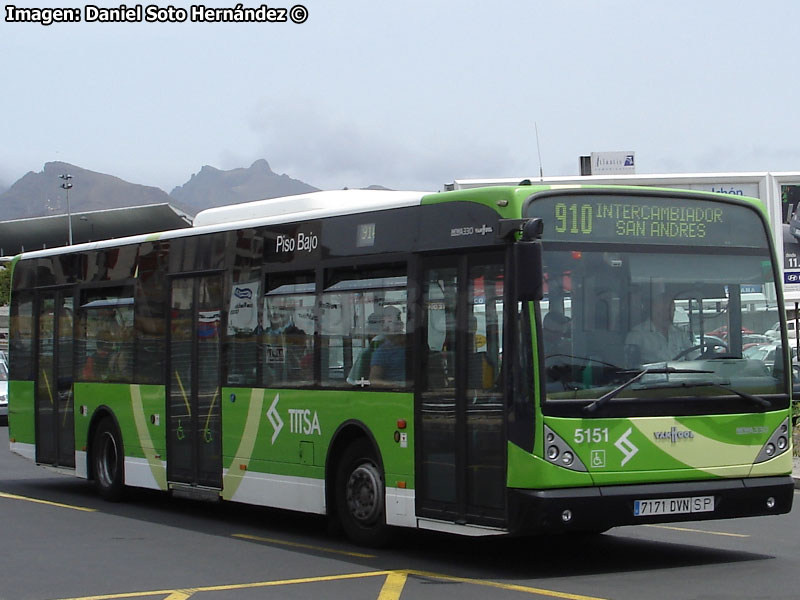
(656, 339)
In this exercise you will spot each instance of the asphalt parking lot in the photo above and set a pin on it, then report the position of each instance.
(63, 542)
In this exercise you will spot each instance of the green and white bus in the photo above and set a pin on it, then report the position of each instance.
(480, 362)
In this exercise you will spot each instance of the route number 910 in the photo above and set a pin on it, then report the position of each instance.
(573, 218)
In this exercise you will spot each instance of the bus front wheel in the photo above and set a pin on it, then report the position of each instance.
(107, 457)
(360, 496)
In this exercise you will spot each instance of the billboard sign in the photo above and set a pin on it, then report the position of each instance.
(613, 163)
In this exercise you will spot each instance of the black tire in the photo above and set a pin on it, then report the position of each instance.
(360, 496)
(107, 461)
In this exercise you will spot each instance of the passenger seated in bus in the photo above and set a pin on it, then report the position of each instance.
(656, 339)
(388, 362)
(298, 355)
(108, 362)
(288, 356)
(359, 373)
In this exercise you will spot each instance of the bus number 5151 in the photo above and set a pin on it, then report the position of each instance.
(593, 435)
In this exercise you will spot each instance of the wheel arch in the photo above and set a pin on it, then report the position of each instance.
(346, 434)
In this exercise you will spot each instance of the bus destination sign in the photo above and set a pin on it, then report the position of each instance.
(646, 219)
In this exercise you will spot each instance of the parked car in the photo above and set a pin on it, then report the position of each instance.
(774, 332)
(722, 332)
(766, 354)
(748, 339)
(3, 387)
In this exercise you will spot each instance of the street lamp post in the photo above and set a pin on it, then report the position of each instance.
(67, 185)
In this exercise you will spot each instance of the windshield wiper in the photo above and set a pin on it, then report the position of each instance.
(723, 386)
(589, 408)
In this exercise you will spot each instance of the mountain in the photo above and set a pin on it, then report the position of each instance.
(213, 187)
(41, 194)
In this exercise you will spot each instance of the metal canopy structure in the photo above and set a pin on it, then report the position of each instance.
(51, 232)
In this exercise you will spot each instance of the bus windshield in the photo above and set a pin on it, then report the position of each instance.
(665, 318)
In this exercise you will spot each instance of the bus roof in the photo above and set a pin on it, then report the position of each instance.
(297, 207)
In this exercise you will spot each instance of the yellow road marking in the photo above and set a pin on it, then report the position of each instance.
(37, 501)
(233, 586)
(741, 535)
(504, 586)
(392, 587)
(256, 538)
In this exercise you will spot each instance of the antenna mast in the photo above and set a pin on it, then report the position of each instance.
(539, 151)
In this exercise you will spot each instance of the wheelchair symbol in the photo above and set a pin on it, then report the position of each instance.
(598, 458)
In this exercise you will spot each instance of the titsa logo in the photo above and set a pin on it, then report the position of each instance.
(626, 446)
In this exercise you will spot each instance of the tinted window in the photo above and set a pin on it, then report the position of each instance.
(288, 339)
(105, 336)
(363, 320)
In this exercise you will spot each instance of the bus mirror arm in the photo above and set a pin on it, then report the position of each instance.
(528, 266)
(531, 229)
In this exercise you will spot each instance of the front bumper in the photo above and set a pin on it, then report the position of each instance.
(600, 508)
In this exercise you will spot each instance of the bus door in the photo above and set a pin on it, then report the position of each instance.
(194, 445)
(55, 406)
(461, 449)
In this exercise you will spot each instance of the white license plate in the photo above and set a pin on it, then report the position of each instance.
(673, 506)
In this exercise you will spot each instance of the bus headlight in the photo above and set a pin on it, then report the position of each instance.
(558, 452)
(777, 444)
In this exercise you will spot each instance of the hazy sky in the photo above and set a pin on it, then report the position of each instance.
(407, 94)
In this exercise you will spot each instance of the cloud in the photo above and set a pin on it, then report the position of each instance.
(332, 151)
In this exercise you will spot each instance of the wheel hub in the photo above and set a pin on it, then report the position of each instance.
(107, 464)
(363, 489)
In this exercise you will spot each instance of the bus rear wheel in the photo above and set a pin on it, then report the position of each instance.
(107, 461)
(360, 496)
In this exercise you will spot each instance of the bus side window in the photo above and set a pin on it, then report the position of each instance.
(21, 338)
(485, 326)
(287, 342)
(363, 325)
(241, 339)
(105, 340)
(150, 314)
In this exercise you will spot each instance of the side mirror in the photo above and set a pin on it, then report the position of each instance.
(528, 265)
